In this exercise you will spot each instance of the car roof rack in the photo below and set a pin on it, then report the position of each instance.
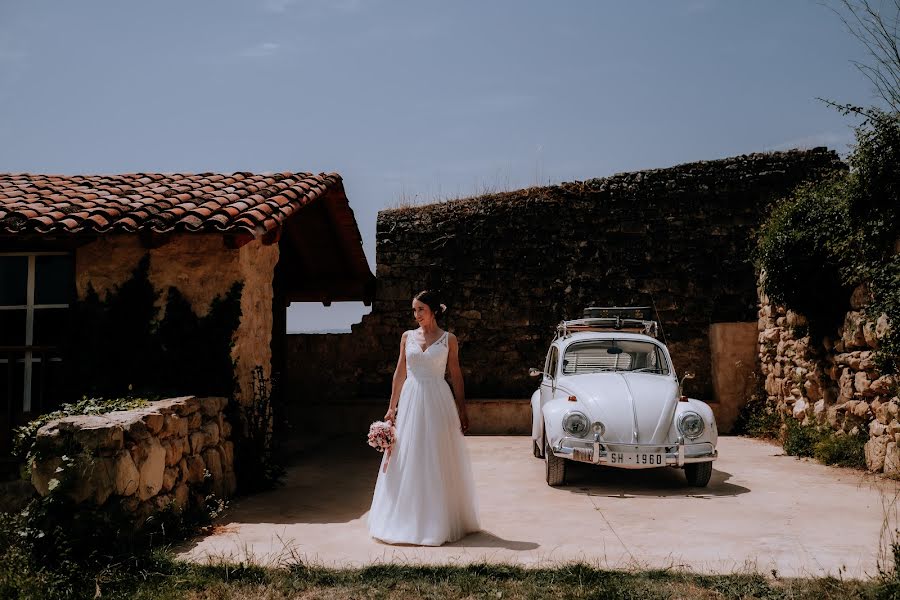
(630, 319)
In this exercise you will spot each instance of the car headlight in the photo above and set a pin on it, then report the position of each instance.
(691, 425)
(576, 423)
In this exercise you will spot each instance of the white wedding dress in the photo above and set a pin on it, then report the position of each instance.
(427, 495)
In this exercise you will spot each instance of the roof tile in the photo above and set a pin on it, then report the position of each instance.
(160, 202)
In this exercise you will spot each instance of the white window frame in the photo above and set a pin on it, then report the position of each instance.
(30, 307)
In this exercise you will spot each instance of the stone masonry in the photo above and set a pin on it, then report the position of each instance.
(143, 459)
(835, 382)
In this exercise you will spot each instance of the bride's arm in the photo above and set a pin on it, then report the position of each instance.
(456, 382)
(397, 384)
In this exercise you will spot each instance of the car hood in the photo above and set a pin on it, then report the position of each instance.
(636, 408)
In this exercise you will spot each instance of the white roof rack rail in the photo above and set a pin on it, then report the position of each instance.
(611, 318)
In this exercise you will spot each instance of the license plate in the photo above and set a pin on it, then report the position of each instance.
(648, 459)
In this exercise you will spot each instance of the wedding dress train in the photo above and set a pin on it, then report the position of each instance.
(427, 495)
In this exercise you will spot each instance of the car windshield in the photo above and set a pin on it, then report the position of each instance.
(601, 356)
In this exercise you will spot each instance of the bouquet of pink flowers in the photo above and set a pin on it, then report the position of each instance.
(382, 436)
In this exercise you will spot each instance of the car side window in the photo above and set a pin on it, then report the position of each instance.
(552, 361)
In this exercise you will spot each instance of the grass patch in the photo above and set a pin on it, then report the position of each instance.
(166, 579)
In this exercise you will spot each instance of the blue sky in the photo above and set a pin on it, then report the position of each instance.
(416, 100)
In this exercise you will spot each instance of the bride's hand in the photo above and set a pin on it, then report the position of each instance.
(464, 423)
(391, 415)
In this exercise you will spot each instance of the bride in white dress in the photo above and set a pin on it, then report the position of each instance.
(427, 495)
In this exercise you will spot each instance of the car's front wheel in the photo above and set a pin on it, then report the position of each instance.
(698, 474)
(535, 445)
(555, 466)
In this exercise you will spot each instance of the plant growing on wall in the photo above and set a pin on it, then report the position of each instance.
(831, 236)
(257, 460)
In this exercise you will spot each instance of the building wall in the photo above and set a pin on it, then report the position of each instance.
(513, 265)
(201, 267)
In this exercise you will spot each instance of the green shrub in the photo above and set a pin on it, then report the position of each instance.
(842, 450)
(797, 249)
(758, 419)
(831, 236)
(823, 444)
(800, 440)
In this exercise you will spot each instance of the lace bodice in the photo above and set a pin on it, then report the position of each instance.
(430, 363)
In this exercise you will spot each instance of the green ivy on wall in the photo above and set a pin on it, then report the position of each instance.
(834, 235)
(121, 347)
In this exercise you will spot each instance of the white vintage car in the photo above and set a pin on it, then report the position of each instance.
(609, 396)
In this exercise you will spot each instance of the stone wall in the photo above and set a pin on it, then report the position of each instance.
(201, 267)
(142, 459)
(513, 265)
(834, 382)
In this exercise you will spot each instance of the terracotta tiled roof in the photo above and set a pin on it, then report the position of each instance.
(240, 202)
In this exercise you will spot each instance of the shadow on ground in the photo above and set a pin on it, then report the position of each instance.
(657, 483)
(331, 483)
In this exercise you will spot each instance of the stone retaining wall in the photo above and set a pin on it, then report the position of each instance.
(835, 382)
(143, 459)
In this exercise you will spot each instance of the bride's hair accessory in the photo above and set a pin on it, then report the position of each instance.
(432, 299)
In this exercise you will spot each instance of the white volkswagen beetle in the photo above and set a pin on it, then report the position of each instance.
(609, 396)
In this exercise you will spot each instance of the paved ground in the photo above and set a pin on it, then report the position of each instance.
(761, 511)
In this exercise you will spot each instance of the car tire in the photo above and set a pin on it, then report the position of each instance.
(698, 474)
(537, 447)
(555, 466)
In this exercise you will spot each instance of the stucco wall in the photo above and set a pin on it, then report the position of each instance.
(734, 362)
(201, 267)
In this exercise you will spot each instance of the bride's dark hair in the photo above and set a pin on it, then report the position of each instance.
(433, 300)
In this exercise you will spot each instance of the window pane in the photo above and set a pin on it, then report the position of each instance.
(13, 280)
(46, 380)
(50, 326)
(12, 327)
(16, 376)
(54, 279)
(17, 371)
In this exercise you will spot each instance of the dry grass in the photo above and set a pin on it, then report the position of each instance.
(241, 582)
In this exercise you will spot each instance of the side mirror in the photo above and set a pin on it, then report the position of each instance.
(681, 396)
(532, 372)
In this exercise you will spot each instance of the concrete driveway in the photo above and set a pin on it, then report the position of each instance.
(761, 511)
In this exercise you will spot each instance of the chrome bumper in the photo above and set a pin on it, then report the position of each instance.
(597, 452)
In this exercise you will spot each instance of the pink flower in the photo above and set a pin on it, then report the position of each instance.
(382, 436)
